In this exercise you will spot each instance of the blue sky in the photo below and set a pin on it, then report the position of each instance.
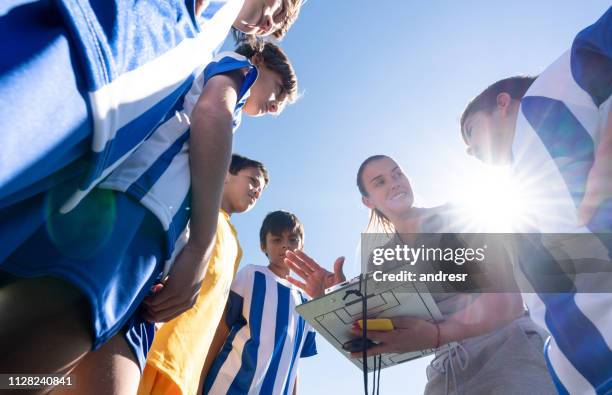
(388, 77)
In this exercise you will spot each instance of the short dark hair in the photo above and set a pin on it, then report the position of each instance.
(279, 221)
(240, 162)
(487, 100)
(277, 61)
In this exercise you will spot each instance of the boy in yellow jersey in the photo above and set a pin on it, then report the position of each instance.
(179, 349)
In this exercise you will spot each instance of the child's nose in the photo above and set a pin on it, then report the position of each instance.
(273, 107)
(266, 24)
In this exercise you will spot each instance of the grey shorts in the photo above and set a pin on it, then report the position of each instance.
(508, 361)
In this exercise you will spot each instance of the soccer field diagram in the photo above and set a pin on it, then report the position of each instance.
(333, 315)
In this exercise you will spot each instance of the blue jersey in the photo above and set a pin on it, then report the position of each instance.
(267, 337)
(137, 60)
(157, 173)
(558, 130)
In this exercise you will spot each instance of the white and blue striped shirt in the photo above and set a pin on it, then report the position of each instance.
(557, 134)
(267, 337)
(157, 173)
(138, 59)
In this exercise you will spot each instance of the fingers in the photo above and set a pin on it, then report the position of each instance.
(374, 350)
(296, 266)
(338, 265)
(377, 336)
(296, 282)
(152, 314)
(308, 261)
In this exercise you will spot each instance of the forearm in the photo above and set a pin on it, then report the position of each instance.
(210, 147)
(485, 314)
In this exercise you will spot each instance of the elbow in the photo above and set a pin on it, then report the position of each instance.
(208, 113)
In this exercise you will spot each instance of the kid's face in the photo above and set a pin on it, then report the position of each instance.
(489, 136)
(261, 17)
(266, 94)
(277, 245)
(482, 140)
(242, 190)
(388, 188)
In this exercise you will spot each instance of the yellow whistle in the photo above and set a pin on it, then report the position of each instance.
(378, 324)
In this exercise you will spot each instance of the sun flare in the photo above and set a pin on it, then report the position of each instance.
(492, 200)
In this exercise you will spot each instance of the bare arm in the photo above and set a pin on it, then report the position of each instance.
(215, 347)
(295, 386)
(487, 313)
(210, 145)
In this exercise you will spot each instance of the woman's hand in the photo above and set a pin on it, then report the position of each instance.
(410, 334)
(316, 279)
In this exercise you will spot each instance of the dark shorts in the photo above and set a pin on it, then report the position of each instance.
(109, 247)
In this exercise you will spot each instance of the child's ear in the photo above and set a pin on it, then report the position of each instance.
(257, 59)
(503, 102)
(367, 202)
(227, 177)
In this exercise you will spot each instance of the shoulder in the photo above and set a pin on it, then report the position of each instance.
(436, 219)
(226, 62)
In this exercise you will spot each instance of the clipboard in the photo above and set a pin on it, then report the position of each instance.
(333, 314)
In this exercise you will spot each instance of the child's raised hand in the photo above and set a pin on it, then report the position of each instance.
(316, 279)
(180, 292)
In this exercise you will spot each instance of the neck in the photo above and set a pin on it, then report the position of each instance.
(225, 206)
(509, 132)
(409, 222)
(280, 270)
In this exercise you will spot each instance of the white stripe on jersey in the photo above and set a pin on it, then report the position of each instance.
(557, 83)
(131, 94)
(572, 380)
(285, 370)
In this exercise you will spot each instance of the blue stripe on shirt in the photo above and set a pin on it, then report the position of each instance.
(280, 334)
(179, 223)
(576, 336)
(310, 346)
(558, 385)
(591, 60)
(235, 302)
(141, 186)
(564, 137)
(133, 134)
(296, 346)
(572, 148)
(244, 378)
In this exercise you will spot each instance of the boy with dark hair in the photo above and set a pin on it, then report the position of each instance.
(556, 132)
(177, 355)
(260, 339)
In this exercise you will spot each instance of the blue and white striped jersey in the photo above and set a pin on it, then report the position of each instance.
(558, 130)
(157, 172)
(138, 59)
(267, 337)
